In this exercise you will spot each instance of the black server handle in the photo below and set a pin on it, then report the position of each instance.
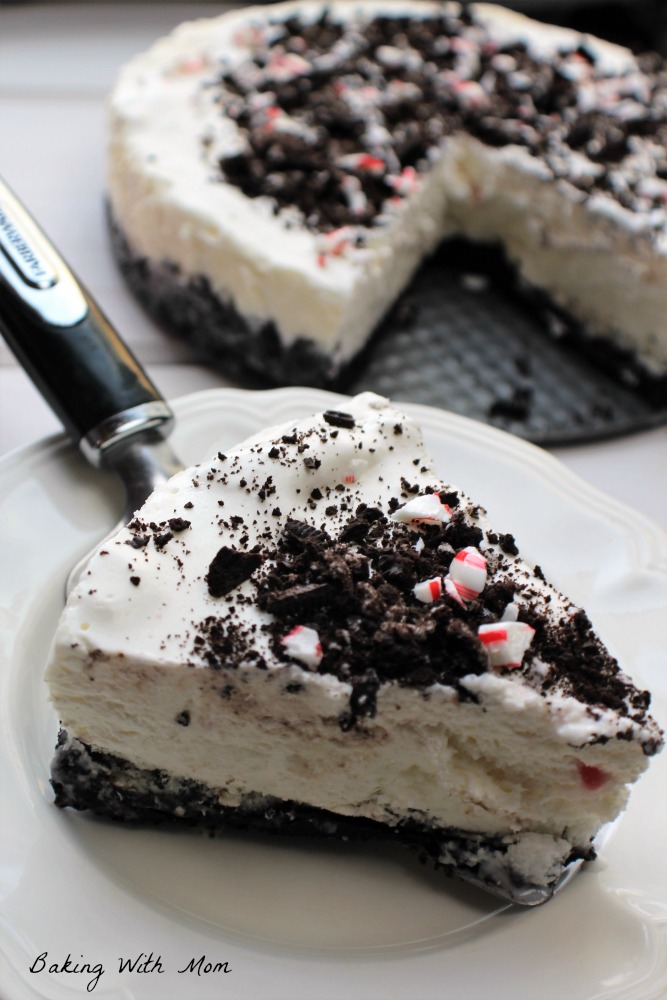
(66, 344)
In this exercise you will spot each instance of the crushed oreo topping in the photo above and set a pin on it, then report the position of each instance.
(220, 643)
(352, 581)
(160, 533)
(138, 541)
(508, 544)
(337, 120)
(353, 584)
(178, 524)
(353, 575)
(229, 568)
(337, 419)
(356, 591)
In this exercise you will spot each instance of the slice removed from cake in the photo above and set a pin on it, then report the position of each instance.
(312, 633)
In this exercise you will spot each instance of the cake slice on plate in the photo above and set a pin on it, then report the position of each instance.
(312, 633)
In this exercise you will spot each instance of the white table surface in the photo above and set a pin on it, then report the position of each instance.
(57, 63)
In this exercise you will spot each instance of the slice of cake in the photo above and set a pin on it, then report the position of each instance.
(312, 633)
(277, 174)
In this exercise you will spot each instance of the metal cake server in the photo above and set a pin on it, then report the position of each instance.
(97, 388)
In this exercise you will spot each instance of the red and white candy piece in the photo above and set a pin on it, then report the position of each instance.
(354, 194)
(427, 508)
(506, 642)
(363, 162)
(470, 94)
(335, 243)
(195, 64)
(250, 36)
(355, 469)
(428, 591)
(303, 644)
(467, 575)
(404, 183)
(592, 777)
(285, 65)
(393, 57)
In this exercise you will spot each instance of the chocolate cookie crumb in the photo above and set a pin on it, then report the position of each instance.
(229, 568)
(338, 419)
(178, 524)
(138, 541)
(508, 545)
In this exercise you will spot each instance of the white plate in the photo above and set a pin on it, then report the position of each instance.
(296, 920)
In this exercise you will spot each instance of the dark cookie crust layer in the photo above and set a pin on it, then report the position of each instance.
(113, 788)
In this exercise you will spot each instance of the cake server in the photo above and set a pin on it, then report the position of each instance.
(97, 388)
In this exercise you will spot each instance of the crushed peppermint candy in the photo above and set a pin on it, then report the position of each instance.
(363, 163)
(196, 64)
(467, 575)
(506, 642)
(378, 100)
(427, 508)
(303, 644)
(354, 195)
(471, 94)
(356, 467)
(428, 591)
(337, 243)
(371, 591)
(286, 65)
(393, 57)
(404, 183)
(511, 612)
(592, 777)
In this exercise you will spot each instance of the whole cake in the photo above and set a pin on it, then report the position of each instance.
(277, 174)
(312, 633)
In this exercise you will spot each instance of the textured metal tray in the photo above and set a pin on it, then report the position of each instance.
(465, 340)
